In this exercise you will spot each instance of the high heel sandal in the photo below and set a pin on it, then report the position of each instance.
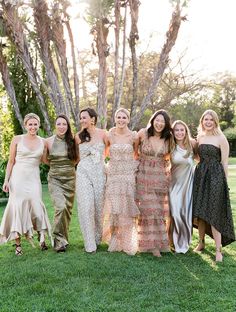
(219, 256)
(43, 246)
(18, 250)
(200, 247)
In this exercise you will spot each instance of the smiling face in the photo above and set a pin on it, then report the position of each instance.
(159, 124)
(179, 132)
(32, 126)
(121, 120)
(208, 123)
(61, 126)
(86, 121)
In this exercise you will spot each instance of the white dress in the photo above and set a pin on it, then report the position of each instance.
(90, 182)
(25, 210)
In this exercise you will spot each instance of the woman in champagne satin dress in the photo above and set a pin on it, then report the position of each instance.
(25, 211)
(61, 158)
(90, 179)
(180, 191)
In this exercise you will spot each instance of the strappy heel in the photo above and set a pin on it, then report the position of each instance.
(18, 250)
(43, 246)
(200, 247)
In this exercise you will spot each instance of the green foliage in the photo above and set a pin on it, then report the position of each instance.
(6, 133)
(98, 9)
(3, 165)
(44, 173)
(230, 133)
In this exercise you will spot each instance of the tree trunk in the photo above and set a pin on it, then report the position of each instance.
(103, 52)
(171, 36)
(10, 88)
(15, 32)
(75, 74)
(117, 44)
(43, 30)
(60, 48)
(133, 37)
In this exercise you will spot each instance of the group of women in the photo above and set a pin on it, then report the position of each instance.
(146, 198)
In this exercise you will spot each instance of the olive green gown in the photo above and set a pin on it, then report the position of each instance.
(61, 184)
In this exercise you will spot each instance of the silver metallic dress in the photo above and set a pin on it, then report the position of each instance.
(180, 197)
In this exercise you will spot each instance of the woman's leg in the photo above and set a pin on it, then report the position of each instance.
(18, 250)
(201, 233)
(217, 239)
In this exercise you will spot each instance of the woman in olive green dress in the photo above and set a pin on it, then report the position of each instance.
(61, 157)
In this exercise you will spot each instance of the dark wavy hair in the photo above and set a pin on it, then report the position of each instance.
(84, 135)
(167, 131)
(69, 138)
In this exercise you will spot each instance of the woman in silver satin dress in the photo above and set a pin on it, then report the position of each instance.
(180, 192)
(90, 179)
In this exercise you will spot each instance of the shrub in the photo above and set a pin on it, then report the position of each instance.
(3, 165)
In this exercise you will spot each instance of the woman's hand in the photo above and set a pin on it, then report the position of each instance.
(5, 187)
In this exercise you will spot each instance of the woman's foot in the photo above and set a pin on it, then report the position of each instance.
(18, 250)
(43, 246)
(200, 247)
(156, 253)
(219, 256)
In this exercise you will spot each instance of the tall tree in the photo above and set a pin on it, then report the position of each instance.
(171, 37)
(10, 87)
(99, 11)
(15, 32)
(133, 37)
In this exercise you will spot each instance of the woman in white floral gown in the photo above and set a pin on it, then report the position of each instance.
(90, 179)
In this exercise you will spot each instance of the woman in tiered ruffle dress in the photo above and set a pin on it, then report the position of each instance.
(121, 211)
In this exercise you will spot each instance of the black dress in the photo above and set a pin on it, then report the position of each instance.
(211, 201)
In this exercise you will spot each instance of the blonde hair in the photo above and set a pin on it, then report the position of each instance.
(123, 110)
(31, 116)
(214, 115)
(187, 139)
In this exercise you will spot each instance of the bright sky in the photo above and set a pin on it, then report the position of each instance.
(208, 35)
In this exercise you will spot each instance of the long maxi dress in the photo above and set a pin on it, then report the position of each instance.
(121, 211)
(211, 201)
(61, 184)
(152, 198)
(180, 198)
(25, 211)
(90, 183)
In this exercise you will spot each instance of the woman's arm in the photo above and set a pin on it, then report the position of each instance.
(107, 143)
(10, 163)
(224, 147)
(44, 157)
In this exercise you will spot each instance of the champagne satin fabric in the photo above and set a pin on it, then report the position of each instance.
(180, 196)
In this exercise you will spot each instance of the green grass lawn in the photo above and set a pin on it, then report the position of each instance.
(76, 281)
(232, 161)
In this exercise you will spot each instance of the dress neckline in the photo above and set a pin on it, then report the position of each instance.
(209, 144)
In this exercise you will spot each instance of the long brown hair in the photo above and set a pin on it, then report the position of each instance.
(69, 138)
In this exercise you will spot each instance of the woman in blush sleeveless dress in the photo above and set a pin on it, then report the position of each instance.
(25, 210)
(90, 179)
(180, 192)
(211, 203)
(153, 184)
(61, 158)
(121, 211)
